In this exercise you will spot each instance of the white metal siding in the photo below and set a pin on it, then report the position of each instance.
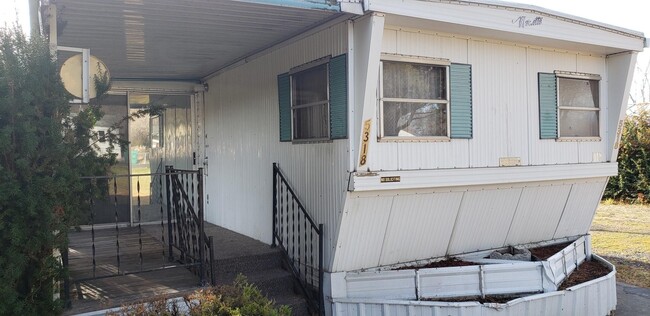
(424, 215)
(580, 208)
(430, 155)
(361, 237)
(241, 123)
(538, 213)
(396, 285)
(499, 103)
(505, 105)
(483, 220)
(400, 226)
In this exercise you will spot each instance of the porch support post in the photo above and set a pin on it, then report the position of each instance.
(203, 240)
(53, 30)
(34, 21)
(275, 204)
(169, 213)
(67, 302)
(85, 61)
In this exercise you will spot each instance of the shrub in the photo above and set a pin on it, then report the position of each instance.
(238, 299)
(632, 184)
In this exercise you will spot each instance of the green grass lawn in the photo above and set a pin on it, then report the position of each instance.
(621, 234)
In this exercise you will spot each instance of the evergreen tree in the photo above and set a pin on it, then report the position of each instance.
(43, 153)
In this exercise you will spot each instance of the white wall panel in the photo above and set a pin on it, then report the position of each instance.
(425, 221)
(499, 103)
(505, 104)
(547, 151)
(538, 213)
(363, 228)
(453, 154)
(483, 220)
(423, 155)
(580, 208)
(241, 114)
(392, 227)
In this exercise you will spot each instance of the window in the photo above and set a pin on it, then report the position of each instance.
(414, 98)
(579, 107)
(569, 106)
(313, 101)
(310, 103)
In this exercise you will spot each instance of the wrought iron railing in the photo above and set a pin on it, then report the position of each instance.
(177, 198)
(300, 239)
(185, 227)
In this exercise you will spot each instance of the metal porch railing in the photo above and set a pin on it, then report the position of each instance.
(300, 239)
(178, 197)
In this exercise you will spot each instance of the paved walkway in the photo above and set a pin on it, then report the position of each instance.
(632, 300)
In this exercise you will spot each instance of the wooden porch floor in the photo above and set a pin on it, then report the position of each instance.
(234, 253)
(115, 291)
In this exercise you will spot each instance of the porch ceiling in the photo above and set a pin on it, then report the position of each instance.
(177, 39)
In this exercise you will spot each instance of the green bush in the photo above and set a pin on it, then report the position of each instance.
(632, 184)
(239, 299)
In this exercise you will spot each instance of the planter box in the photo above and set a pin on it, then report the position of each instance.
(595, 297)
(561, 264)
(489, 277)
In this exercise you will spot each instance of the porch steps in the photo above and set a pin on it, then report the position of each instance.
(237, 254)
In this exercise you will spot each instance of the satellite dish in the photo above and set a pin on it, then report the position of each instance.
(72, 73)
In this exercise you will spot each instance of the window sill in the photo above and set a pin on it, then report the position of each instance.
(578, 139)
(311, 141)
(413, 139)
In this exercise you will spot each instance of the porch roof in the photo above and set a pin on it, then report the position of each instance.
(182, 39)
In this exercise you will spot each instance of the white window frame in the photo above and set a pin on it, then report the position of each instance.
(297, 70)
(380, 91)
(580, 76)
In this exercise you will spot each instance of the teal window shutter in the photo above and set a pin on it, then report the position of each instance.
(284, 99)
(338, 89)
(547, 106)
(460, 82)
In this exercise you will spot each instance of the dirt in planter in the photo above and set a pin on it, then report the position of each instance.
(587, 271)
(501, 299)
(451, 262)
(543, 253)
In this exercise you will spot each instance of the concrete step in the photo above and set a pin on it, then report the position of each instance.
(266, 272)
(248, 263)
(276, 284)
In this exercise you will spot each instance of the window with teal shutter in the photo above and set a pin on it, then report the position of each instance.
(547, 106)
(460, 82)
(569, 106)
(424, 99)
(338, 90)
(313, 101)
(284, 99)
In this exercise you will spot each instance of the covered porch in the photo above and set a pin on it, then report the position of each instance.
(162, 52)
(236, 254)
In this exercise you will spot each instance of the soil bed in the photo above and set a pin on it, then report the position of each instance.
(587, 271)
(501, 299)
(451, 262)
(543, 253)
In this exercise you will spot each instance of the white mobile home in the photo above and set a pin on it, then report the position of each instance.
(412, 130)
